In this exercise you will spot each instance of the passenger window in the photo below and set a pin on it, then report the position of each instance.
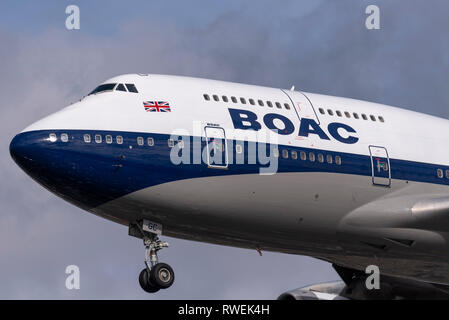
(140, 141)
(311, 156)
(447, 174)
(320, 158)
(338, 113)
(381, 119)
(242, 100)
(98, 138)
(356, 115)
(338, 160)
(278, 105)
(329, 159)
(347, 114)
(373, 118)
(108, 139)
(287, 106)
(238, 148)
(284, 153)
(234, 99)
(260, 103)
(364, 116)
(303, 155)
(64, 137)
(331, 113)
(206, 97)
(224, 98)
(150, 142)
(171, 143)
(131, 88)
(322, 111)
(52, 137)
(216, 97)
(276, 153)
(294, 155)
(119, 139)
(269, 104)
(251, 101)
(120, 87)
(440, 173)
(87, 138)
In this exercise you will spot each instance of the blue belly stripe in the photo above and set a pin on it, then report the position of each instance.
(90, 174)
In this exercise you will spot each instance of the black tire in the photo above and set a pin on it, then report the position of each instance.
(162, 275)
(145, 282)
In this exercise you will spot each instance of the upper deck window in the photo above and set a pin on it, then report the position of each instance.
(103, 88)
(131, 88)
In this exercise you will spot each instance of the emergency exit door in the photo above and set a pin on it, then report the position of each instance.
(380, 166)
(216, 148)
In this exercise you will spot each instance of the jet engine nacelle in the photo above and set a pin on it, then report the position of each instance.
(322, 291)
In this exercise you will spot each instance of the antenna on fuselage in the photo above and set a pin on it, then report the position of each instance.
(292, 88)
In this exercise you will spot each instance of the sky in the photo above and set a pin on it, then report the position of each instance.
(319, 46)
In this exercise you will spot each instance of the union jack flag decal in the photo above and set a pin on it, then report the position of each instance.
(156, 106)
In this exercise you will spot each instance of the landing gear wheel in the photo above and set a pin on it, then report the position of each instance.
(146, 283)
(156, 275)
(162, 275)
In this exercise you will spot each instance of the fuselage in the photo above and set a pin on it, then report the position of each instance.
(252, 167)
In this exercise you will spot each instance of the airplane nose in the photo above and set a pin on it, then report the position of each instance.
(19, 149)
(29, 151)
(78, 172)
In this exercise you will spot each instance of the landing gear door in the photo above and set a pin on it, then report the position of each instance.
(380, 166)
(302, 105)
(216, 148)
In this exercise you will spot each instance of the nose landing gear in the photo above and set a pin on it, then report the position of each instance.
(156, 275)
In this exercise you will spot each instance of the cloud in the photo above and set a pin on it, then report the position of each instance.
(317, 46)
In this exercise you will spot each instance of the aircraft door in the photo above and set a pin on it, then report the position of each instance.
(216, 147)
(380, 166)
(303, 106)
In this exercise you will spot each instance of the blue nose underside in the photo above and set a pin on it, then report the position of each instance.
(85, 179)
(91, 174)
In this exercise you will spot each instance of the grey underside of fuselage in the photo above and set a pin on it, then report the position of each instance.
(314, 214)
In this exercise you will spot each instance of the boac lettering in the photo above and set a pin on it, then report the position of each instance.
(247, 120)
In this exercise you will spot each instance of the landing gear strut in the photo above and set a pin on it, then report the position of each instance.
(155, 275)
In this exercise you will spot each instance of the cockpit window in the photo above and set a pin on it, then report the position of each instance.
(104, 87)
(114, 86)
(131, 87)
(120, 87)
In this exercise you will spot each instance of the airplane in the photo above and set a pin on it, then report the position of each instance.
(349, 182)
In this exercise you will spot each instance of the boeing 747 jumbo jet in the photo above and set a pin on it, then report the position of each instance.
(354, 183)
